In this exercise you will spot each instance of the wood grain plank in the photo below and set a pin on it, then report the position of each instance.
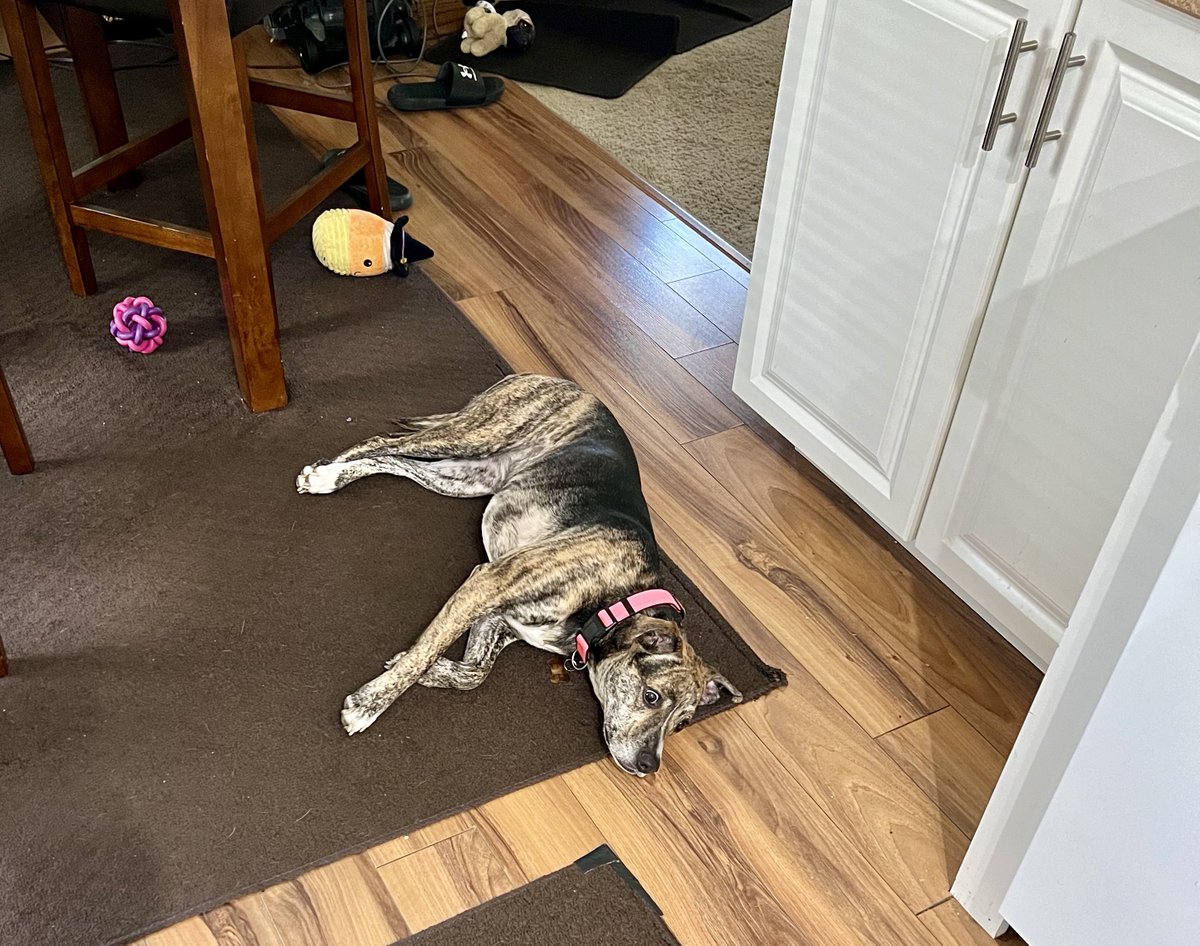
(466, 261)
(572, 332)
(414, 841)
(570, 144)
(981, 675)
(605, 198)
(542, 826)
(952, 763)
(739, 829)
(557, 246)
(190, 932)
(714, 368)
(244, 922)
(890, 820)
(319, 134)
(718, 297)
(873, 684)
(723, 260)
(345, 903)
(442, 880)
(952, 926)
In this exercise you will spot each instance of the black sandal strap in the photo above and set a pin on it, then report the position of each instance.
(462, 84)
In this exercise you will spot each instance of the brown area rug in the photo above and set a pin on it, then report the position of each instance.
(183, 627)
(574, 907)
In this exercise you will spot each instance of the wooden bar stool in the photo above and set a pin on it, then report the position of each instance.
(16, 454)
(13, 444)
(219, 93)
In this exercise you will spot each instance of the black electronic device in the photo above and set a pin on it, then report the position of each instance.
(316, 29)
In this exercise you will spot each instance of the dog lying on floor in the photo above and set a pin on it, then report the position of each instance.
(572, 567)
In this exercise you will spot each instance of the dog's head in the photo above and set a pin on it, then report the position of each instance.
(649, 682)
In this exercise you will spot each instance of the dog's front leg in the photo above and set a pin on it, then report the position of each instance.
(475, 600)
(487, 639)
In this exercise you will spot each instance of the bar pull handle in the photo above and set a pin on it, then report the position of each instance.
(1017, 45)
(1042, 133)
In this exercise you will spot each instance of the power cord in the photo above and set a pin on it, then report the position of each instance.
(387, 63)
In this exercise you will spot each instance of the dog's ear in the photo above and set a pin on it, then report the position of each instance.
(663, 638)
(714, 685)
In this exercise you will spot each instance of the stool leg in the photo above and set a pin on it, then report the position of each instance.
(362, 93)
(13, 444)
(218, 95)
(20, 19)
(83, 33)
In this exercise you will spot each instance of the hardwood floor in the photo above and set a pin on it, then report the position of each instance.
(834, 811)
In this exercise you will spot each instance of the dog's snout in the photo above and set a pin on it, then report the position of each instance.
(647, 762)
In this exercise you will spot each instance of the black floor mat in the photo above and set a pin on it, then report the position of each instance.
(604, 47)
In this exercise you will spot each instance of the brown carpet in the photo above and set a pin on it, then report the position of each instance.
(569, 908)
(183, 627)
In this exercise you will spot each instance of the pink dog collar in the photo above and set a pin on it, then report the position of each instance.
(602, 623)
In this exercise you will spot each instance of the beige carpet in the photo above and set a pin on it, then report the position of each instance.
(698, 127)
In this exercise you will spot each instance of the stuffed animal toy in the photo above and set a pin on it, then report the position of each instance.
(485, 30)
(359, 243)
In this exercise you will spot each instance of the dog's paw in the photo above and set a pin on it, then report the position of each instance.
(359, 711)
(321, 478)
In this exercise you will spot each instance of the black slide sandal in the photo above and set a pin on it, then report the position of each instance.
(456, 86)
(399, 195)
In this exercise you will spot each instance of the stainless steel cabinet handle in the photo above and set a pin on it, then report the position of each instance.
(1042, 133)
(999, 117)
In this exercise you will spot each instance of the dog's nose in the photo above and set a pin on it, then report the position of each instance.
(647, 762)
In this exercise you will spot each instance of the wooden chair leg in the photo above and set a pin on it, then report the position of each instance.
(218, 94)
(20, 19)
(362, 92)
(83, 33)
(3, 660)
(13, 444)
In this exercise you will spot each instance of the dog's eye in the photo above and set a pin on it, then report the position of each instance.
(651, 697)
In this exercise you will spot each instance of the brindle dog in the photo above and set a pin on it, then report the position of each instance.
(569, 543)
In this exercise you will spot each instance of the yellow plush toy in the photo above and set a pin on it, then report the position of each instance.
(359, 243)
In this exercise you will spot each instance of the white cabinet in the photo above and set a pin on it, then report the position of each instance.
(884, 252)
(1094, 311)
(881, 227)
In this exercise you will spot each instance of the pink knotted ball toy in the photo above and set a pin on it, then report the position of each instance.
(138, 324)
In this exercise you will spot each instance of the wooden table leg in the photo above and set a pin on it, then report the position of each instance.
(13, 444)
(83, 32)
(362, 91)
(21, 24)
(218, 95)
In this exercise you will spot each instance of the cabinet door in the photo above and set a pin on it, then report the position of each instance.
(1096, 306)
(882, 224)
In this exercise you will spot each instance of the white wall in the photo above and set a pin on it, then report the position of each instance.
(1116, 859)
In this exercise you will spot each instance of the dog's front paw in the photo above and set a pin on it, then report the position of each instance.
(321, 478)
(359, 711)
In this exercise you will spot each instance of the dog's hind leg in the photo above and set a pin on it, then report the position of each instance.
(521, 412)
(487, 639)
(450, 477)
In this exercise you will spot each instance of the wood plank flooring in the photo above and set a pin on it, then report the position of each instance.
(834, 811)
